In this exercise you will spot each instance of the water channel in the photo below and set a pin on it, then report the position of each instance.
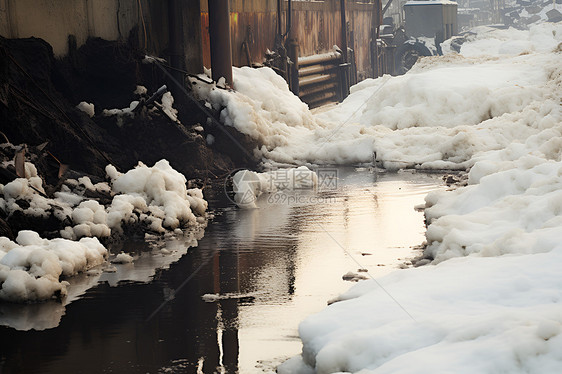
(229, 299)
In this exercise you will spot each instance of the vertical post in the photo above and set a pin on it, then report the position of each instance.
(219, 33)
(193, 46)
(377, 14)
(344, 70)
(175, 38)
(279, 30)
(293, 52)
(343, 31)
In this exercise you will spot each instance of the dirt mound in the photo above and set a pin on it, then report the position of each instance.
(39, 94)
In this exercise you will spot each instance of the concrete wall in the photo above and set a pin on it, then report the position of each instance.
(54, 20)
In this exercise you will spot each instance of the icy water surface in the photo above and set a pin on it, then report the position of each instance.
(241, 292)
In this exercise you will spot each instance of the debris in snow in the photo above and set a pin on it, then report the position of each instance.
(353, 277)
(167, 102)
(152, 59)
(121, 112)
(87, 108)
(211, 298)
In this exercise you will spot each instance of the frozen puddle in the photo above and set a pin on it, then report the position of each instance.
(233, 304)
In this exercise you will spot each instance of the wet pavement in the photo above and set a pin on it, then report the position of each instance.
(228, 299)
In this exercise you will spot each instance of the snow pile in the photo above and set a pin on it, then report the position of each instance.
(472, 315)
(442, 114)
(120, 113)
(122, 258)
(491, 300)
(262, 105)
(486, 40)
(31, 269)
(249, 185)
(156, 197)
(513, 211)
(26, 189)
(87, 108)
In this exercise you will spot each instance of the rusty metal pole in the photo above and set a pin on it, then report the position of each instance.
(219, 33)
(345, 66)
(343, 30)
(292, 52)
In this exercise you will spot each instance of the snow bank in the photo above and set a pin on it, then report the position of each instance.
(156, 197)
(516, 211)
(262, 105)
(485, 40)
(490, 302)
(472, 315)
(32, 269)
(443, 114)
(249, 185)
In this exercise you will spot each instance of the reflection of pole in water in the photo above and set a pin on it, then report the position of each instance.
(226, 281)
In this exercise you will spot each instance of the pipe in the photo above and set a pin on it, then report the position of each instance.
(386, 7)
(219, 33)
(330, 57)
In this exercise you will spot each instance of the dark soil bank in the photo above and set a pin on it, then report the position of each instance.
(38, 98)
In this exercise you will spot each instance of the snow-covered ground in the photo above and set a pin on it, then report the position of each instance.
(491, 301)
(445, 113)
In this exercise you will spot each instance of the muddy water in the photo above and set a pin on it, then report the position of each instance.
(232, 302)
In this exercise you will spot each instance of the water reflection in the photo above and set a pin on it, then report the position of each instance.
(267, 269)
